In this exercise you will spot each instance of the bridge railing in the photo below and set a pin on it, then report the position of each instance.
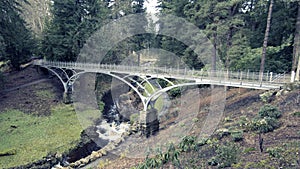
(180, 73)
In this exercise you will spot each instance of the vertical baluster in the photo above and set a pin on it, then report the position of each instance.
(247, 75)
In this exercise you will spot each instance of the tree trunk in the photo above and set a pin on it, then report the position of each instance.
(296, 55)
(263, 57)
(228, 46)
(298, 70)
(214, 54)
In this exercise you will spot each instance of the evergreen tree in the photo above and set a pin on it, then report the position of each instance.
(16, 38)
(73, 22)
(119, 9)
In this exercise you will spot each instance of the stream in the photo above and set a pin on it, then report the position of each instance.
(110, 127)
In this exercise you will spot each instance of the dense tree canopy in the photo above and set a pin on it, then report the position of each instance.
(16, 40)
(236, 29)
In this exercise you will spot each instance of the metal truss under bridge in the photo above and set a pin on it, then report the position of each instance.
(185, 77)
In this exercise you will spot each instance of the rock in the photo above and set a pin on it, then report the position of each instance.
(77, 163)
(103, 152)
(94, 156)
(222, 132)
(84, 160)
(285, 92)
(279, 93)
(72, 165)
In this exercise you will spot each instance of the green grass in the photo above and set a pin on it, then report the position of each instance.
(88, 117)
(27, 138)
(159, 102)
(46, 94)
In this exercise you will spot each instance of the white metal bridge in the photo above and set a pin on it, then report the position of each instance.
(185, 76)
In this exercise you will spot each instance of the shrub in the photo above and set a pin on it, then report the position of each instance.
(175, 92)
(101, 105)
(243, 121)
(237, 135)
(134, 118)
(267, 124)
(275, 152)
(227, 155)
(213, 161)
(269, 111)
(296, 114)
(266, 96)
(267, 119)
(187, 143)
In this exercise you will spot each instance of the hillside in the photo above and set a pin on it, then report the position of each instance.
(35, 126)
(234, 143)
(35, 94)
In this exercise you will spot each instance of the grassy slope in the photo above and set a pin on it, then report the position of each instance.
(159, 102)
(33, 137)
(34, 122)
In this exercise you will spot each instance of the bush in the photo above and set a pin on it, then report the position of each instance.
(134, 118)
(267, 119)
(175, 92)
(269, 111)
(297, 114)
(237, 136)
(188, 143)
(267, 124)
(275, 152)
(227, 155)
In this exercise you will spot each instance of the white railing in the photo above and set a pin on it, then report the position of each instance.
(177, 73)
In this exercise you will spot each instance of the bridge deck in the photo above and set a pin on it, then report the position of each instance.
(227, 78)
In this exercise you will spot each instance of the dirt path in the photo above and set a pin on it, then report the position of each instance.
(24, 85)
(30, 91)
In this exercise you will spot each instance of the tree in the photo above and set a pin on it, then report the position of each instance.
(265, 44)
(119, 9)
(35, 13)
(221, 20)
(171, 44)
(137, 41)
(16, 38)
(73, 22)
(296, 51)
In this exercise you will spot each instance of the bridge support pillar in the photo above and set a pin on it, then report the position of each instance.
(67, 96)
(149, 123)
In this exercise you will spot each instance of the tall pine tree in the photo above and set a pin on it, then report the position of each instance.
(72, 23)
(16, 39)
